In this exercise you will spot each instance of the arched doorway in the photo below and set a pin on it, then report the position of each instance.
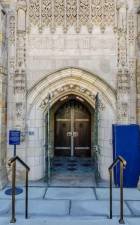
(59, 84)
(72, 129)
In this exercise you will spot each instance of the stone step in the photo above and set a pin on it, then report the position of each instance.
(56, 207)
(69, 221)
(130, 194)
(56, 221)
(73, 208)
(5, 206)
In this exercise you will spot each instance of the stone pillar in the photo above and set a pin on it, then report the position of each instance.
(20, 72)
(3, 95)
(123, 77)
(126, 88)
(131, 49)
(17, 76)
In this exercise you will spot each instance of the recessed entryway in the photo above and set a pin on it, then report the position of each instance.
(71, 125)
(72, 129)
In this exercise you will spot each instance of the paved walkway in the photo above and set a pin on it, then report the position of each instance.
(71, 206)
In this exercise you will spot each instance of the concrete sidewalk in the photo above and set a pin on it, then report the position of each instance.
(71, 206)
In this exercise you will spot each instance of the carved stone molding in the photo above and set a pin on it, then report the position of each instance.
(70, 88)
(12, 29)
(20, 72)
(75, 13)
(123, 91)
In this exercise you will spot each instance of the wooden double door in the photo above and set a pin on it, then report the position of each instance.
(73, 130)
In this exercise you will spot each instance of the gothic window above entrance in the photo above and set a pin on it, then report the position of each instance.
(68, 13)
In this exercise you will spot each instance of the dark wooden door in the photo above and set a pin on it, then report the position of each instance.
(72, 130)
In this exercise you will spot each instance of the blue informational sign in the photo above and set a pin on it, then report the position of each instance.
(14, 137)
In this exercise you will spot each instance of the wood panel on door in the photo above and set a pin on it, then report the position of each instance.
(62, 139)
(72, 130)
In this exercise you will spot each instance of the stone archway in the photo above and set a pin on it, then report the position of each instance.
(58, 85)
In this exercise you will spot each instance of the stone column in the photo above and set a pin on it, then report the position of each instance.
(131, 49)
(20, 72)
(126, 88)
(3, 95)
(123, 77)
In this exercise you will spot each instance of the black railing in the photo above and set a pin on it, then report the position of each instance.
(123, 163)
(12, 162)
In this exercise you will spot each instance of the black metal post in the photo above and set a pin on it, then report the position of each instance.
(121, 221)
(26, 197)
(15, 153)
(13, 219)
(110, 172)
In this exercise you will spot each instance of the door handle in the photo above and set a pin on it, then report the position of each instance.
(69, 134)
(75, 134)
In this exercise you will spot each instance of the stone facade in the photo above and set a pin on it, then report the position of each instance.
(3, 93)
(66, 47)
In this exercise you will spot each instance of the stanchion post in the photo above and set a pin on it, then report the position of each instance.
(13, 219)
(26, 197)
(110, 172)
(121, 221)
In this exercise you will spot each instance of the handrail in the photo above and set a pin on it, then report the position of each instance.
(122, 167)
(119, 158)
(18, 159)
(12, 162)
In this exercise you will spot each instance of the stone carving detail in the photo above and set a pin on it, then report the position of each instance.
(103, 12)
(84, 12)
(11, 42)
(12, 29)
(71, 9)
(123, 79)
(122, 14)
(122, 33)
(46, 12)
(132, 34)
(20, 72)
(123, 89)
(122, 48)
(19, 82)
(109, 12)
(19, 109)
(131, 28)
(34, 11)
(96, 9)
(67, 13)
(59, 12)
(123, 82)
(69, 88)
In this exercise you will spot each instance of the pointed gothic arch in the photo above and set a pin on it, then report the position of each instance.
(60, 84)
(64, 81)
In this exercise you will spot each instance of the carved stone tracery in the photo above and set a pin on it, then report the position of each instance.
(69, 88)
(68, 13)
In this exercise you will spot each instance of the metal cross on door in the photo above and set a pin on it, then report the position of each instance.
(72, 130)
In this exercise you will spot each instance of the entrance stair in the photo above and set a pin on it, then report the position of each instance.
(71, 206)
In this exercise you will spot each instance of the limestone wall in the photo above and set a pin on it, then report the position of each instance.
(3, 96)
(43, 48)
(47, 53)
